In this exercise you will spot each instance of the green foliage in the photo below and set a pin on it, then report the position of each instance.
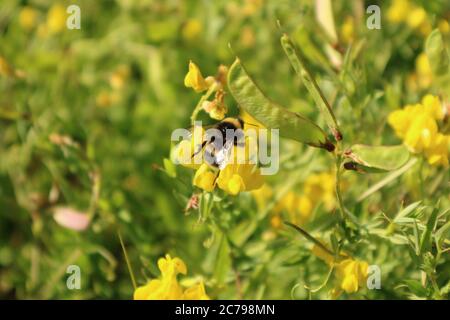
(85, 121)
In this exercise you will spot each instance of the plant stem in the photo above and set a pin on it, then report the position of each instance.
(198, 107)
(130, 270)
(338, 187)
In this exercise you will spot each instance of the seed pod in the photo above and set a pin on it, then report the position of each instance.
(291, 125)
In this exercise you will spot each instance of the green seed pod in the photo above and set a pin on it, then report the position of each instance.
(291, 125)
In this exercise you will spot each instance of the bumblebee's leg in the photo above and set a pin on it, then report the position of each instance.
(199, 150)
(215, 178)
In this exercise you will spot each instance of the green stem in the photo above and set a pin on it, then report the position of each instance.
(338, 186)
(130, 270)
(198, 107)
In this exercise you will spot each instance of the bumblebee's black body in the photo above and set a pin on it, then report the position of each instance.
(229, 124)
(216, 151)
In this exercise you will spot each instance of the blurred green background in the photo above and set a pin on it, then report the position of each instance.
(95, 107)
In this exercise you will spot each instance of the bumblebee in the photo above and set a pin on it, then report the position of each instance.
(218, 143)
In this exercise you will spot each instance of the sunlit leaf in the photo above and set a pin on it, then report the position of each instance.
(291, 125)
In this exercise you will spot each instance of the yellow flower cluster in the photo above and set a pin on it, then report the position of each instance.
(234, 178)
(317, 188)
(351, 274)
(195, 80)
(417, 126)
(404, 11)
(167, 287)
(55, 22)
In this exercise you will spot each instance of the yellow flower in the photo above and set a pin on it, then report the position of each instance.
(417, 126)
(196, 292)
(421, 132)
(433, 106)
(298, 207)
(320, 188)
(416, 17)
(351, 274)
(187, 152)
(56, 18)
(444, 26)
(5, 68)
(118, 78)
(27, 18)
(191, 29)
(216, 108)
(235, 178)
(423, 69)
(205, 178)
(276, 221)
(437, 153)
(398, 11)
(194, 78)
(167, 287)
(348, 30)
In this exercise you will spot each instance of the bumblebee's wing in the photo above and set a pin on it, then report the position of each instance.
(222, 156)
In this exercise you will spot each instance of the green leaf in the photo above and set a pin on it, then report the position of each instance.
(442, 233)
(426, 241)
(373, 159)
(298, 62)
(416, 288)
(291, 125)
(407, 211)
(437, 54)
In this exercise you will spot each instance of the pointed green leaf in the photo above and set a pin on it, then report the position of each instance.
(291, 125)
(426, 240)
(372, 159)
(300, 67)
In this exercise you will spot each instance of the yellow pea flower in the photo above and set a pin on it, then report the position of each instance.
(421, 132)
(398, 11)
(196, 292)
(205, 178)
(194, 78)
(27, 18)
(433, 106)
(216, 108)
(235, 178)
(400, 120)
(187, 152)
(444, 26)
(351, 274)
(191, 29)
(423, 70)
(167, 287)
(437, 153)
(348, 30)
(320, 188)
(418, 128)
(298, 207)
(416, 17)
(56, 19)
